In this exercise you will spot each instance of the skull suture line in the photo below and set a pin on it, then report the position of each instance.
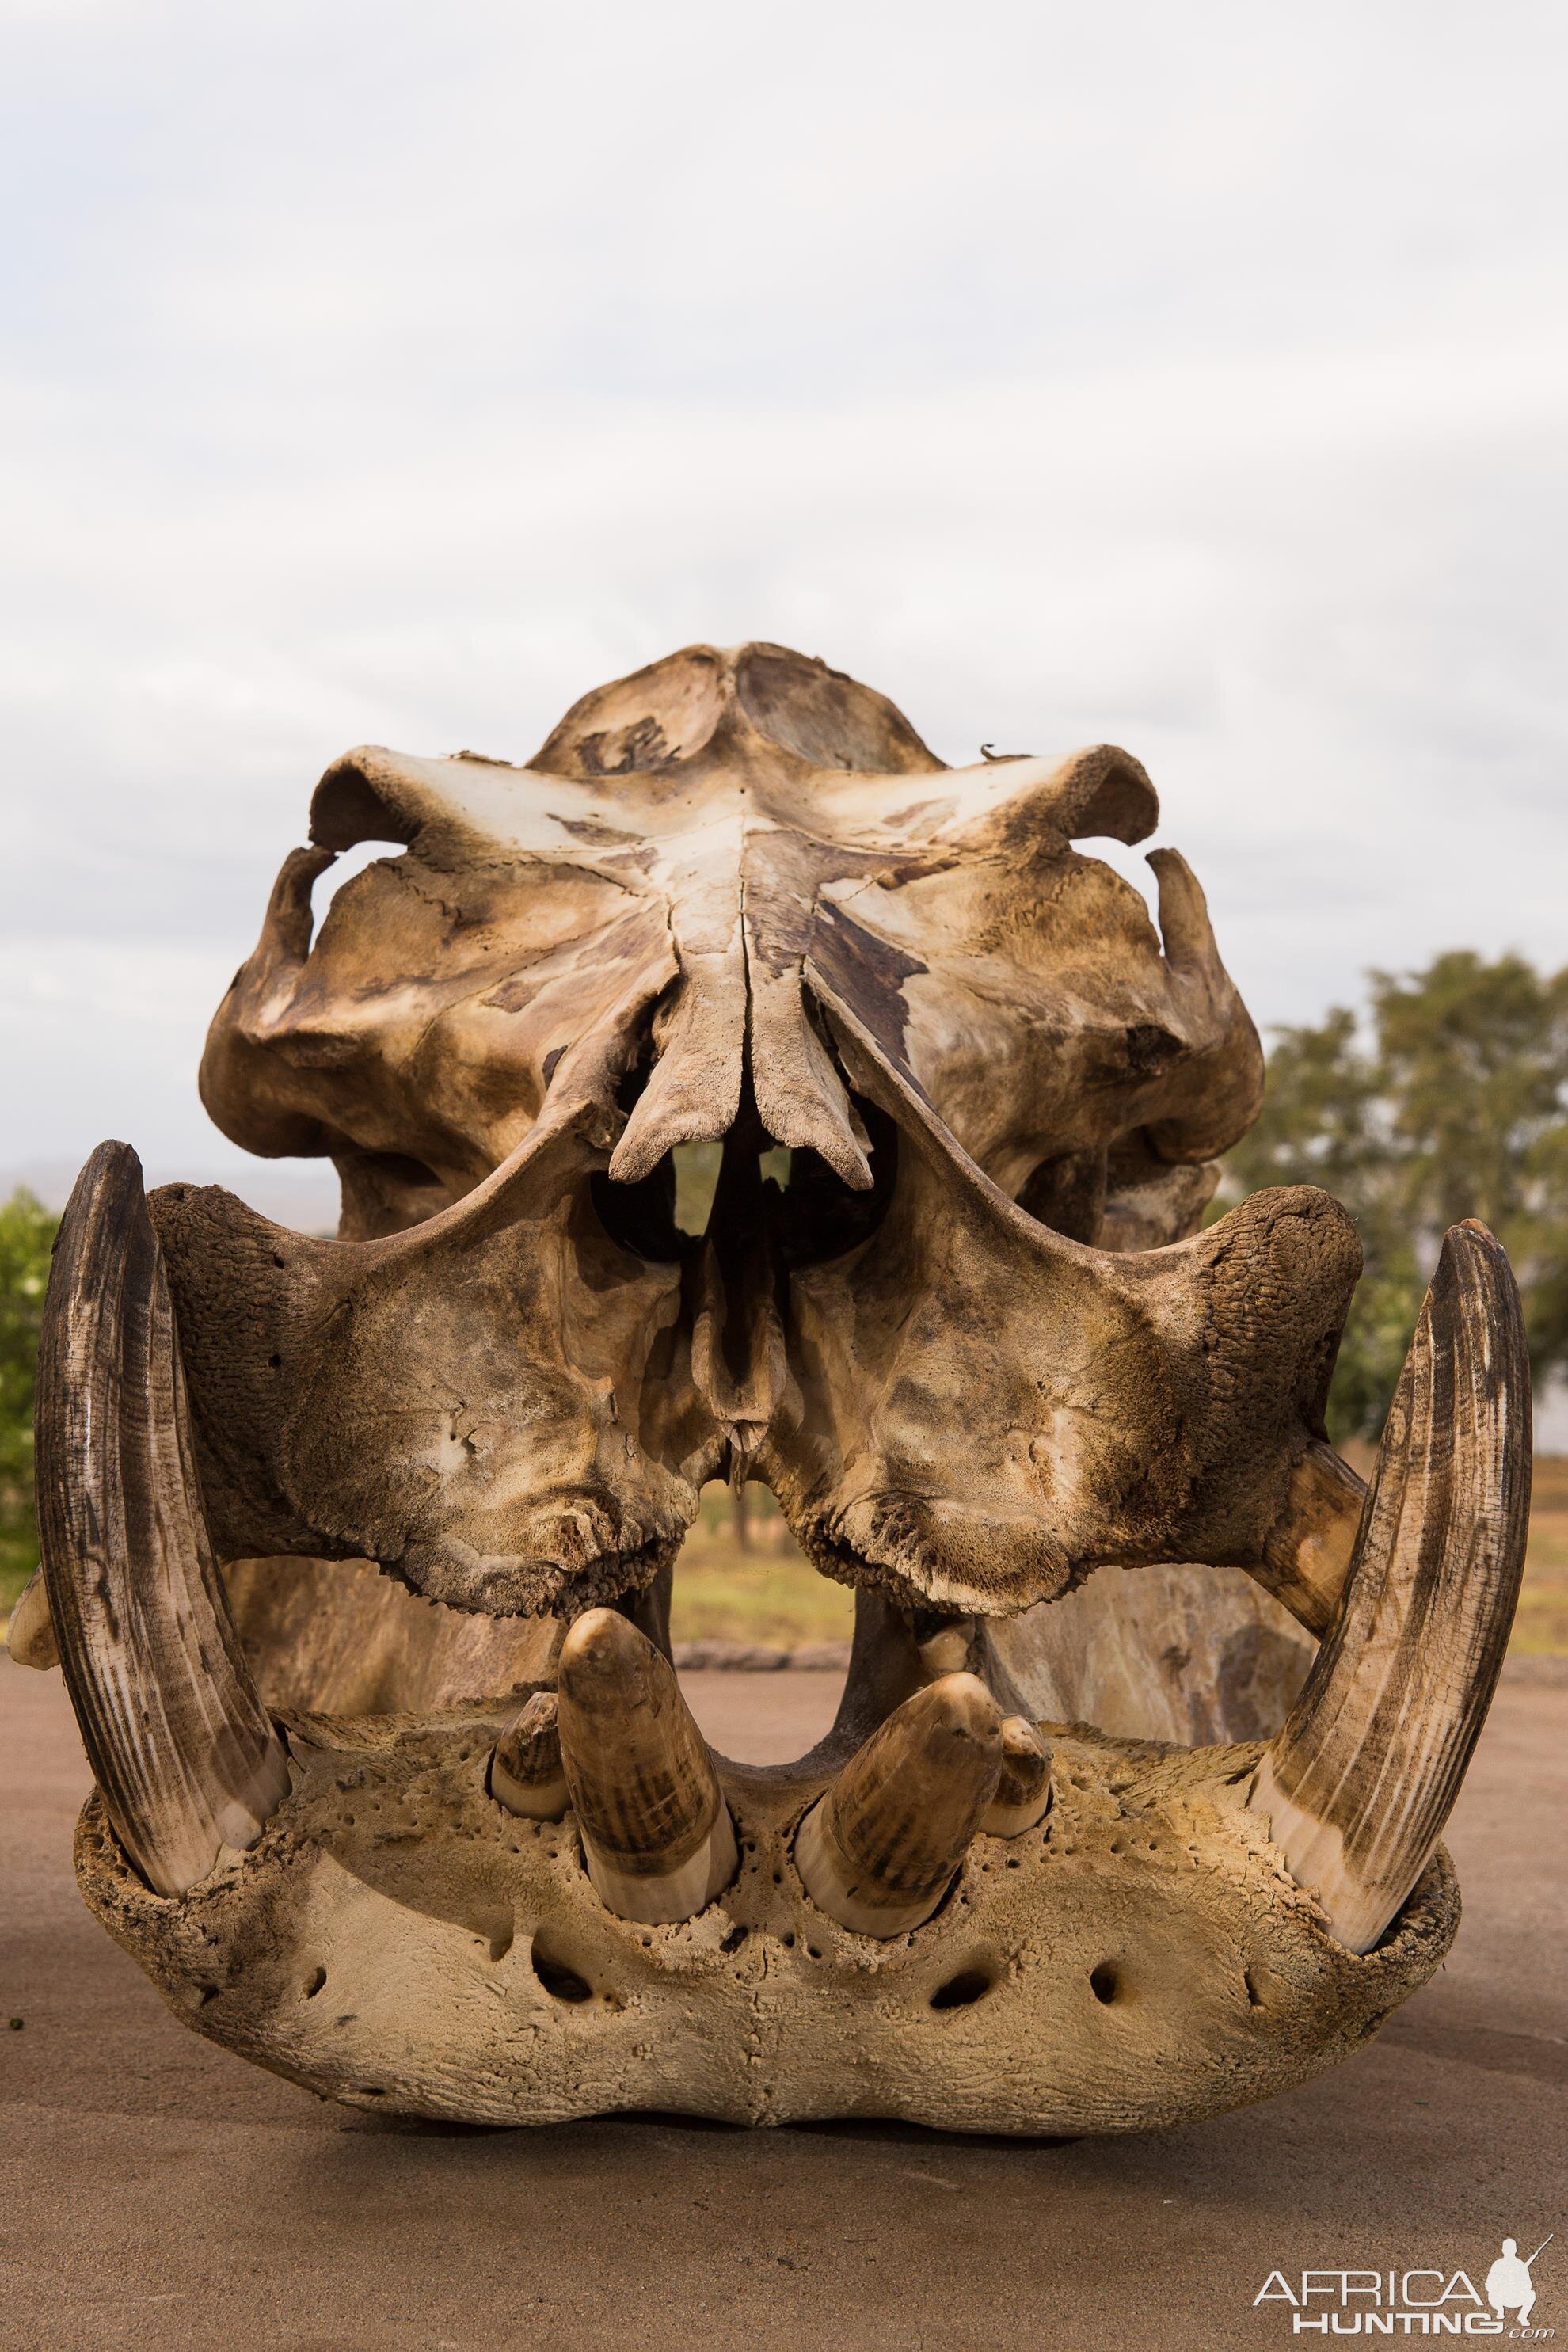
(974, 1343)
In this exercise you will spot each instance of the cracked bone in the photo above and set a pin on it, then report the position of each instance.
(879, 1850)
(527, 1775)
(657, 1836)
(1361, 1779)
(1066, 1444)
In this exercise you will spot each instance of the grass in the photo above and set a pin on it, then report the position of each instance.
(761, 1589)
(1542, 1624)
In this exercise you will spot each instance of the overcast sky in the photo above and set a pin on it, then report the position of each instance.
(1189, 377)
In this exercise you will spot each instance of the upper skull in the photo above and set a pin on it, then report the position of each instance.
(699, 860)
(736, 897)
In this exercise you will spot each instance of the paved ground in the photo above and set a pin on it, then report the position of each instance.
(155, 2191)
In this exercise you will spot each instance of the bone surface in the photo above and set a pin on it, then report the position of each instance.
(657, 1836)
(944, 1287)
(187, 1760)
(881, 1849)
(526, 1772)
(1360, 1779)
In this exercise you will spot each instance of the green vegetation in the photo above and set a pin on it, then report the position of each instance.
(1449, 1101)
(26, 1237)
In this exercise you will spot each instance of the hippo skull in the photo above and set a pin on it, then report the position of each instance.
(953, 1304)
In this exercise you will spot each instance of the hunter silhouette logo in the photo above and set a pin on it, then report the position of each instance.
(1425, 2301)
(1509, 2283)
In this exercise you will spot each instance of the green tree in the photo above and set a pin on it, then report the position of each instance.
(1448, 1100)
(26, 1236)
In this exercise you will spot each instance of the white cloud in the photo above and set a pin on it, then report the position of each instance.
(1193, 378)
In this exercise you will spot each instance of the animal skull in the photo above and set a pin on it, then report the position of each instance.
(975, 1341)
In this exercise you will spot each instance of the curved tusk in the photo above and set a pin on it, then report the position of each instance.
(1358, 1784)
(184, 1753)
(881, 1850)
(656, 1835)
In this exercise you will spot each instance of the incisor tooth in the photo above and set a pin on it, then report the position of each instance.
(656, 1835)
(1023, 1790)
(526, 1772)
(879, 1850)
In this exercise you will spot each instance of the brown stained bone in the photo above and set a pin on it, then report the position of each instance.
(493, 1406)
(1187, 1655)
(1113, 1409)
(1360, 1779)
(881, 1850)
(759, 811)
(188, 1762)
(701, 922)
(527, 1775)
(966, 1327)
(336, 1637)
(656, 1835)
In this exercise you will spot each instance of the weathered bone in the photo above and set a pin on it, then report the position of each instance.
(1359, 1781)
(342, 1405)
(526, 1772)
(1023, 1789)
(966, 1327)
(30, 1635)
(187, 1760)
(881, 1850)
(1142, 1408)
(656, 1835)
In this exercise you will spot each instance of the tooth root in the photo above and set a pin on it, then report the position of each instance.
(30, 1635)
(187, 1760)
(526, 1773)
(1358, 1784)
(656, 1835)
(1023, 1790)
(881, 1850)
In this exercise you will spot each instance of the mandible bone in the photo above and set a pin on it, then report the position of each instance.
(977, 1340)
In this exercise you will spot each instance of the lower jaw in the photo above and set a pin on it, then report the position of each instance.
(398, 1941)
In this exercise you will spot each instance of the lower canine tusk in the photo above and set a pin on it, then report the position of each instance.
(1358, 1784)
(656, 1835)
